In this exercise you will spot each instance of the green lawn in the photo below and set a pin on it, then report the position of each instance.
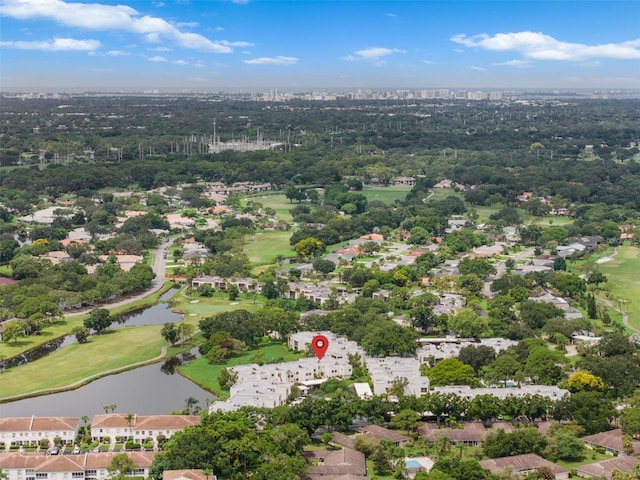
(278, 202)
(264, 247)
(622, 275)
(199, 371)
(219, 302)
(438, 194)
(63, 326)
(387, 195)
(75, 362)
(590, 457)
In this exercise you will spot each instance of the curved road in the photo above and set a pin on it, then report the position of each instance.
(158, 266)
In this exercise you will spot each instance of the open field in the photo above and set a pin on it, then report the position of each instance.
(199, 371)
(77, 361)
(219, 302)
(264, 247)
(387, 195)
(277, 201)
(623, 276)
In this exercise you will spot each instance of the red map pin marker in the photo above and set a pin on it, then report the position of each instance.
(320, 343)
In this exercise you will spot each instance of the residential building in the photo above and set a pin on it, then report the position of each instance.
(386, 372)
(523, 465)
(611, 441)
(139, 427)
(605, 468)
(345, 461)
(35, 466)
(26, 430)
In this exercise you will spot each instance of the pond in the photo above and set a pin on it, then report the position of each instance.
(150, 390)
(157, 314)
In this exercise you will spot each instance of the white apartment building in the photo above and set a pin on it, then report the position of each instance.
(140, 426)
(26, 430)
(35, 466)
(384, 372)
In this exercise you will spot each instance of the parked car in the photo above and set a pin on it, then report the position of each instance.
(76, 450)
(53, 451)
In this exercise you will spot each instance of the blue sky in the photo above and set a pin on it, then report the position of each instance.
(255, 45)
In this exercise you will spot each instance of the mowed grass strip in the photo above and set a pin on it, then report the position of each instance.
(623, 274)
(201, 372)
(387, 195)
(114, 349)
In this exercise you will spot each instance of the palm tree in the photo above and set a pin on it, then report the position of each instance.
(191, 404)
(129, 419)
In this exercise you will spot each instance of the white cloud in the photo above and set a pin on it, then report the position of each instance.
(116, 53)
(393, 15)
(515, 63)
(478, 69)
(374, 54)
(96, 16)
(240, 2)
(428, 62)
(538, 46)
(55, 45)
(181, 62)
(279, 60)
(236, 44)
(158, 59)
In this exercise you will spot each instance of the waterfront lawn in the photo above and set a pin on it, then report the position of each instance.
(622, 275)
(265, 246)
(202, 373)
(114, 349)
(63, 326)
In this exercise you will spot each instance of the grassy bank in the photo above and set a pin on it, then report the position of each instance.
(199, 371)
(63, 327)
(79, 361)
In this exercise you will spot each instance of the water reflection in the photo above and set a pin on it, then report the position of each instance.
(170, 365)
(155, 315)
(145, 391)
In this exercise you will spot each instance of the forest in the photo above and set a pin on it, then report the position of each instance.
(511, 162)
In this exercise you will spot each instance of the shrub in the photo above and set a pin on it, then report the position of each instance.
(107, 439)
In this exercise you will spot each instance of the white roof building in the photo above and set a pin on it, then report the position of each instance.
(385, 371)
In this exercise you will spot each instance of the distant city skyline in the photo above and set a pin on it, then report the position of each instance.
(251, 45)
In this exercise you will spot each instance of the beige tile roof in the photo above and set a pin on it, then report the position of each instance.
(166, 422)
(110, 420)
(38, 424)
(186, 474)
(61, 463)
(9, 461)
(102, 460)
